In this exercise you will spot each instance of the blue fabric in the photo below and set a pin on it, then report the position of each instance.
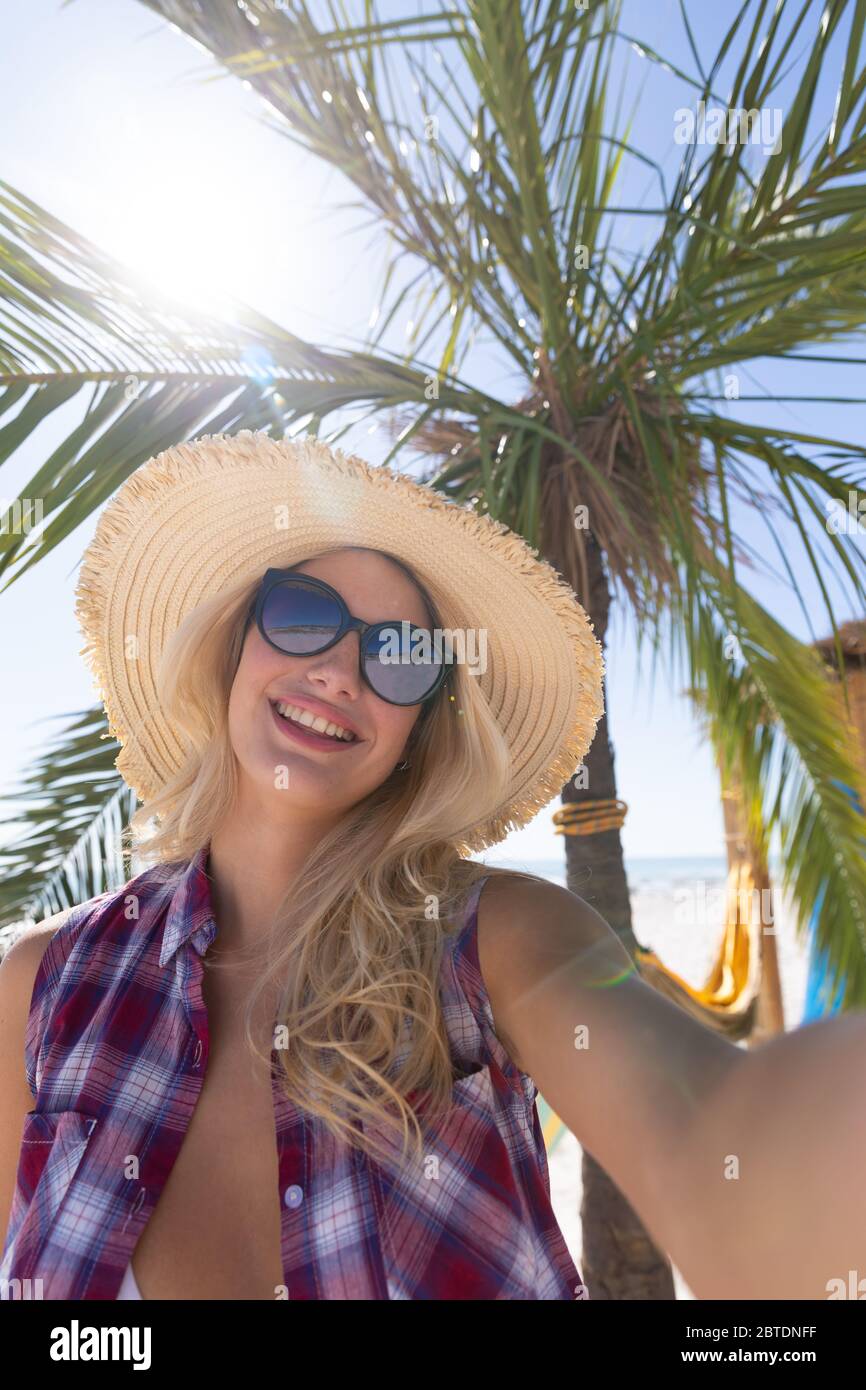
(821, 999)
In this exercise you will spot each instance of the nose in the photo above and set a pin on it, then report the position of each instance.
(338, 668)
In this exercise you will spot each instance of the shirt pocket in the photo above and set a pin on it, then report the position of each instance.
(455, 1226)
(53, 1144)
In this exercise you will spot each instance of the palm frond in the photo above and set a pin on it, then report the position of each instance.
(152, 373)
(73, 808)
(776, 717)
(508, 165)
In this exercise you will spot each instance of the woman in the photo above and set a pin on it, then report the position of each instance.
(297, 1057)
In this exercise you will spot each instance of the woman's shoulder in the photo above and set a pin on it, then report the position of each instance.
(493, 881)
(25, 953)
(24, 964)
(23, 957)
(42, 949)
(512, 901)
(34, 963)
(507, 901)
(526, 926)
(521, 905)
(48, 958)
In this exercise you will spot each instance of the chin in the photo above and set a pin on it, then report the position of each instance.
(280, 770)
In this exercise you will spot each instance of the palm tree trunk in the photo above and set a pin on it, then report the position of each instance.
(620, 1260)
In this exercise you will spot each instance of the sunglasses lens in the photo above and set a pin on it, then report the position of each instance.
(298, 618)
(402, 663)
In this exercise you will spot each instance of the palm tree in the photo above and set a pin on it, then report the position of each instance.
(497, 198)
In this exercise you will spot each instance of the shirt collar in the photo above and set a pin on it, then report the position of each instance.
(190, 915)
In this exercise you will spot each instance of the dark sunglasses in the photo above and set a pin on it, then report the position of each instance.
(302, 616)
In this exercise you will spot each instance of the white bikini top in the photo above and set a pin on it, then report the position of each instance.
(129, 1288)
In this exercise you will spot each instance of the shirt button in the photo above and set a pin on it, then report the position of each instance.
(293, 1196)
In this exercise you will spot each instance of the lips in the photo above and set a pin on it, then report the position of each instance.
(309, 738)
(316, 719)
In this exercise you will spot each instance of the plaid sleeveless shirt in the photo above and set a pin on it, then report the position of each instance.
(116, 1049)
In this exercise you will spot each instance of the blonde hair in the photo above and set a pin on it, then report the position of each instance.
(356, 946)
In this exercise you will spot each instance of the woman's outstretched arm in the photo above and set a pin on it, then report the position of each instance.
(746, 1166)
(772, 1172)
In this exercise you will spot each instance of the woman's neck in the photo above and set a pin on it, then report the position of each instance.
(252, 866)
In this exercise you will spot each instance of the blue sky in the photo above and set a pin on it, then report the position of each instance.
(105, 121)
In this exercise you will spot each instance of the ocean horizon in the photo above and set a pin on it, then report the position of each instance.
(642, 871)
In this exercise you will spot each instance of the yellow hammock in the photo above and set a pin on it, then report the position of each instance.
(726, 1003)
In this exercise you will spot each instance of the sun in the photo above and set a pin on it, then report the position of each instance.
(191, 200)
(187, 246)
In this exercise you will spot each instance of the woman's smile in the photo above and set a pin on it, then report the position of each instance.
(309, 738)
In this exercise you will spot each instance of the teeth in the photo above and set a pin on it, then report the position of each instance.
(314, 722)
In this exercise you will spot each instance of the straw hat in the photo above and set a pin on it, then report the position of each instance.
(207, 513)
